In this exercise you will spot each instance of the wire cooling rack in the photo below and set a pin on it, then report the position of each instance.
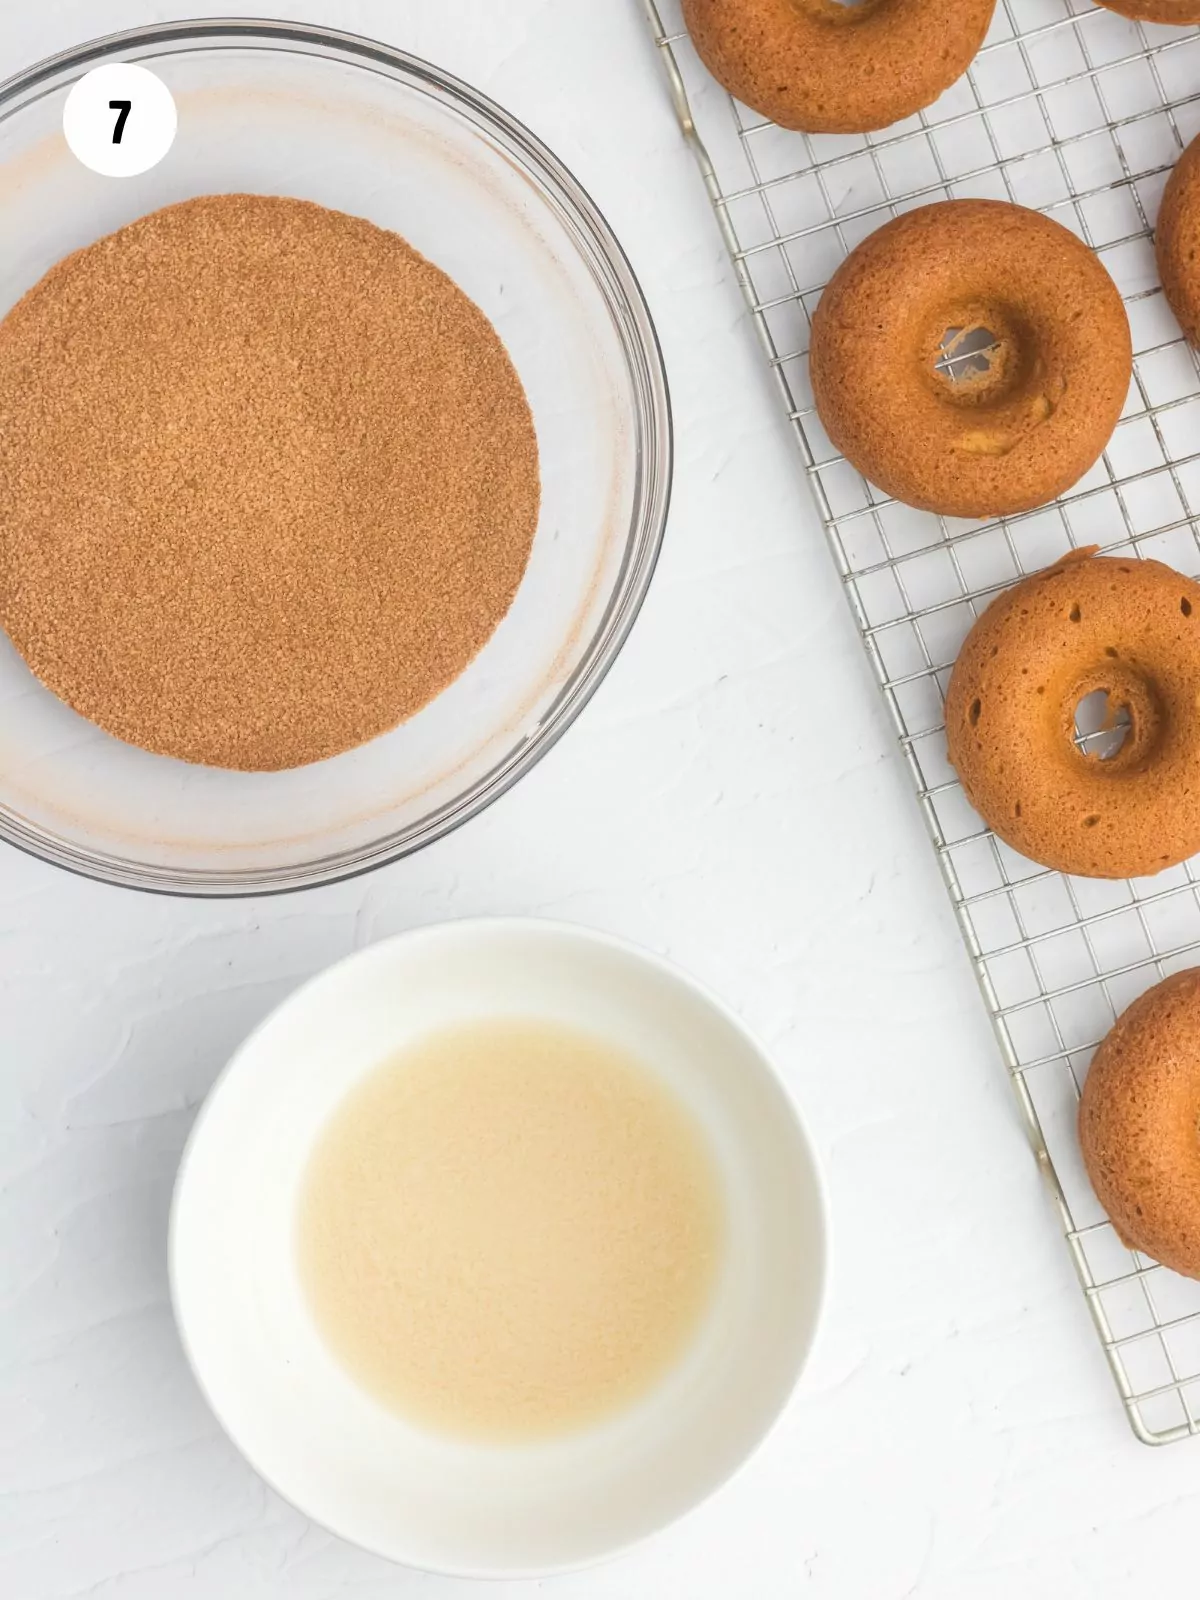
(1076, 112)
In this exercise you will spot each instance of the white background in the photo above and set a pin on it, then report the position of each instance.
(732, 798)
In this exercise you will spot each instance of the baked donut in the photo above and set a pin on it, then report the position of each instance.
(1128, 627)
(822, 67)
(1179, 12)
(1177, 239)
(994, 442)
(1138, 1122)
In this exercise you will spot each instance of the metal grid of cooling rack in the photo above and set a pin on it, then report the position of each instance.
(1074, 111)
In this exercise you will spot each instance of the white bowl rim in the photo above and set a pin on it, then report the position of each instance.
(427, 933)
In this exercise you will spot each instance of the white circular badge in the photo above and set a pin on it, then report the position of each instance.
(119, 120)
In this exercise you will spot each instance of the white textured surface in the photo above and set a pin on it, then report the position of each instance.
(732, 799)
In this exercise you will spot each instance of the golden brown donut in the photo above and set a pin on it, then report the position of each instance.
(1129, 627)
(999, 441)
(1139, 1120)
(1177, 239)
(1176, 11)
(829, 68)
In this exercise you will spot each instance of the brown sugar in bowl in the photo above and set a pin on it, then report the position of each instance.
(1130, 628)
(997, 441)
(1177, 239)
(823, 67)
(1139, 1123)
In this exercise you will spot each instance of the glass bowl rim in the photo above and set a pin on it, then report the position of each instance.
(653, 444)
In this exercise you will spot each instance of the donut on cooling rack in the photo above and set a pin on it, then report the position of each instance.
(1179, 12)
(823, 67)
(1130, 628)
(893, 394)
(1177, 238)
(1138, 1119)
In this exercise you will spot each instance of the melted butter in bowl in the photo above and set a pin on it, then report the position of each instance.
(510, 1230)
(498, 1246)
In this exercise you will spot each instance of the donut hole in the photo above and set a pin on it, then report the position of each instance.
(983, 359)
(966, 354)
(838, 10)
(1101, 730)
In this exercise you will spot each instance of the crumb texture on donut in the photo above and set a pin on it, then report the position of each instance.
(1178, 12)
(822, 67)
(991, 442)
(1139, 1123)
(1177, 239)
(1090, 623)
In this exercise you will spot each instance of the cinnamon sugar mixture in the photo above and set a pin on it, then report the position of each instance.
(268, 481)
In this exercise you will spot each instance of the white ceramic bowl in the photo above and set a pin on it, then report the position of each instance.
(328, 1447)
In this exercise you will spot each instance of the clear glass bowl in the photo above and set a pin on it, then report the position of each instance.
(277, 108)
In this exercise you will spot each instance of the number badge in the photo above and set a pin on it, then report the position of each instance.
(119, 120)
